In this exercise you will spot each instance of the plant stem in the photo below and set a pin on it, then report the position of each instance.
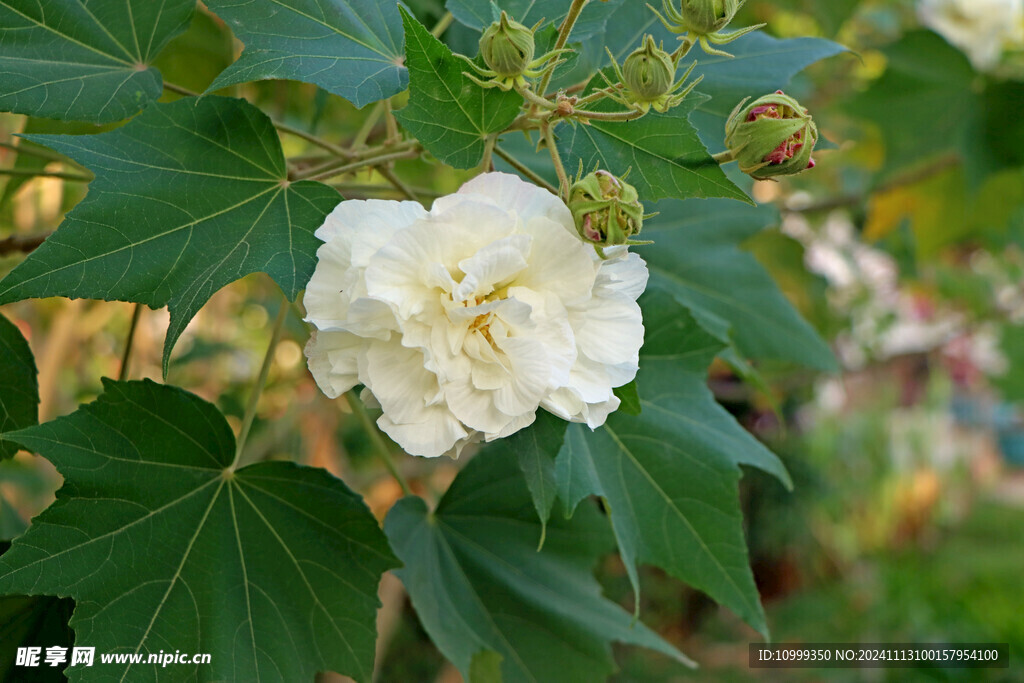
(180, 90)
(442, 25)
(563, 35)
(563, 180)
(534, 98)
(254, 397)
(528, 172)
(323, 173)
(122, 375)
(63, 175)
(487, 164)
(723, 157)
(368, 125)
(379, 445)
(21, 244)
(610, 115)
(398, 183)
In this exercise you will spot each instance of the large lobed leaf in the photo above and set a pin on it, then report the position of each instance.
(352, 48)
(479, 584)
(697, 257)
(272, 568)
(669, 476)
(84, 60)
(188, 197)
(449, 113)
(19, 389)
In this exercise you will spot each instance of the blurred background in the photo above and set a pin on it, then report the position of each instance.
(904, 247)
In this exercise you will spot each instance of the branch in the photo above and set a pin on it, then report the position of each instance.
(21, 244)
(563, 36)
(529, 173)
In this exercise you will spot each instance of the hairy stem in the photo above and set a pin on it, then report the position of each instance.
(486, 164)
(122, 375)
(442, 25)
(723, 157)
(261, 380)
(338, 167)
(611, 115)
(563, 179)
(379, 445)
(563, 35)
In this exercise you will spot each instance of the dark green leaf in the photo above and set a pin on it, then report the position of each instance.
(630, 399)
(84, 61)
(697, 258)
(670, 475)
(33, 621)
(188, 197)
(273, 568)
(352, 48)
(666, 156)
(927, 85)
(450, 114)
(535, 448)
(19, 390)
(478, 582)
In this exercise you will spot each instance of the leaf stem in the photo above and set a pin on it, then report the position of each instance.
(254, 397)
(522, 168)
(63, 175)
(379, 445)
(442, 24)
(398, 183)
(723, 157)
(610, 115)
(563, 36)
(563, 180)
(486, 163)
(21, 244)
(337, 167)
(122, 375)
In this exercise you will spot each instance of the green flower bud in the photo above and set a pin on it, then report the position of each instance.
(771, 136)
(607, 211)
(649, 72)
(708, 16)
(507, 47)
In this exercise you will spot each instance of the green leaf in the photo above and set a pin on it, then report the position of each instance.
(272, 568)
(352, 48)
(1010, 383)
(450, 114)
(485, 667)
(665, 156)
(19, 390)
(188, 197)
(535, 449)
(670, 476)
(697, 258)
(928, 83)
(477, 581)
(84, 61)
(630, 399)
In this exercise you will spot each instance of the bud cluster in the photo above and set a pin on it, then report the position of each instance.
(507, 49)
(703, 21)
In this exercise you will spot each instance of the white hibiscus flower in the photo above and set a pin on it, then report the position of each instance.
(464, 320)
(982, 29)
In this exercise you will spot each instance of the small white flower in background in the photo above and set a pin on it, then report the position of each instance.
(463, 320)
(982, 29)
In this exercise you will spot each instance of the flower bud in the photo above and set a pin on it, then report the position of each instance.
(649, 72)
(507, 47)
(771, 136)
(708, 16)
(607, 211)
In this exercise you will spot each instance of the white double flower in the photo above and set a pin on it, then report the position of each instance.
(464, 320)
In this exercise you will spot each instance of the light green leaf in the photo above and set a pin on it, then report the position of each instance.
(84, 60)
(665, 156)
(272, 568)
(19, 390)
(485, 667)
(450, 114)
(670, 476)
(697, 258)
(188, 197)
(478, 582)
(352, 48)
